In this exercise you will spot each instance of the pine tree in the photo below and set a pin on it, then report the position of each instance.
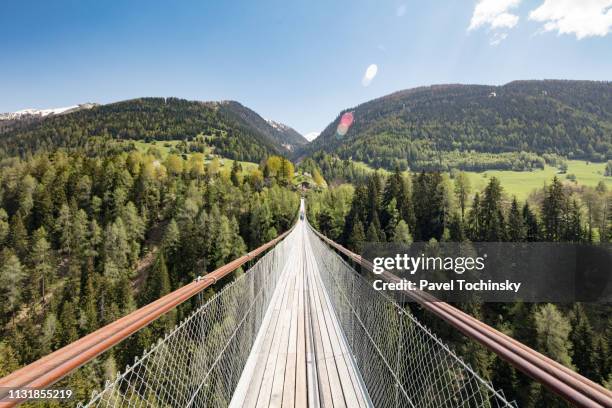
(68, 322)
(11, 278)
(171, 236)
(602, 358)
(474, 220)
(456, 229)
(516, 224)
(393, 193)
(493, 223)
(158, 281)
(357, 237)
(373, 198)
(571, 230)
(4, 226)
(553, 207)
(373, 234)
(8, 356)
(402, 233)
(87, 298)
(462, 190)
(532, 228)
(553, 334)
(234, 176)
(581, 336)
(429, 212)
(19, 236)
(41, 263)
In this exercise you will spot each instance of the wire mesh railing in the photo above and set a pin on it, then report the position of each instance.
(199, 362)
(401, 362)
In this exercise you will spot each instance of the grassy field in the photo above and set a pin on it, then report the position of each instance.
(522, 183)
(166, 146)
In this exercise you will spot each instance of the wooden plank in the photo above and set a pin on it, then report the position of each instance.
(324, 388)
(340, 350)
(325, 353)
(257, 358)
(301, 387)
(276, 396)
(311, 365)
(349, 363)
(352, 387)
(266, 352)
(288, 397)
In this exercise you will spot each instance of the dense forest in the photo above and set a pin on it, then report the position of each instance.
(85, 240)
(233, 130)
(433, 207)
(465, 126)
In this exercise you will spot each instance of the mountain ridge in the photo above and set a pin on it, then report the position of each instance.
(234, 130)
(563, 117)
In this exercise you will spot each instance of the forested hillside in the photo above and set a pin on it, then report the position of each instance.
(233, 130)
(87, 239)
(282, 135)
(477, 127)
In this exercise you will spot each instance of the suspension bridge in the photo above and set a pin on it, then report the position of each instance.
(300, 328)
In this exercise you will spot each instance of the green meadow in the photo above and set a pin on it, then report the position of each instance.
(165, 147)
(522, 183)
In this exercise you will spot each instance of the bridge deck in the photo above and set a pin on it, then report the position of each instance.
(300, 357)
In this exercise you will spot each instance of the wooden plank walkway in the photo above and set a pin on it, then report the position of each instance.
(300, 357)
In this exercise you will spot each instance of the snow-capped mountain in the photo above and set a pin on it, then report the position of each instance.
(32, 113)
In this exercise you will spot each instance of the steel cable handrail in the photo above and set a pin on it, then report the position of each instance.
(553, 375)
(55, 366)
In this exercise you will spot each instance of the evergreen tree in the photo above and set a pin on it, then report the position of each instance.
(8, 356)
(4, 226)
(429, 213)
(492, 220)
(462, 190)
(11, 278)
(516, 224)
(402, 233)
(19, 236)
(373, 233)
(582, 339)
(41, 263)
(68, 323)
(87, 298)
(572, 225)
(234, 176)
(553, 207)
(532, 228)
(456, 229)
(158, 281)
(553, 334)
(474, 220)
(373, 197)
(357, 237)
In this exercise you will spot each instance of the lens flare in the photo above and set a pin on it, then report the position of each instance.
(345, 123)
(369, 75)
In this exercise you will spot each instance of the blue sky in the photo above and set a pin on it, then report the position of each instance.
(298, 62)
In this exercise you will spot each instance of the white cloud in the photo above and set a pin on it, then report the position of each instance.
(310, 136)
(497, 38)
(494, 14)
(369, 74)
(584, 18)
(401, 10)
